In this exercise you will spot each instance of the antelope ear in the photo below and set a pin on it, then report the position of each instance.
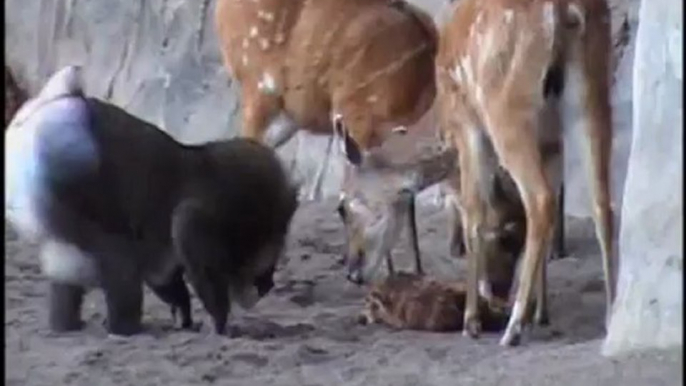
(350, 147)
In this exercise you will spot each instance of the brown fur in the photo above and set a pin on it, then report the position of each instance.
(302, 64)
(371, 61)
(416, 302)
(502, 67)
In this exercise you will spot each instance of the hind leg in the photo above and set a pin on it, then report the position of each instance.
(175, 293)
(516, 144)
(123, 289)
(65, 302)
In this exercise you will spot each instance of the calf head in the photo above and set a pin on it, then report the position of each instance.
(376, 197)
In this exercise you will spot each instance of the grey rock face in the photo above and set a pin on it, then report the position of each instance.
(649, 306)
(160, 60)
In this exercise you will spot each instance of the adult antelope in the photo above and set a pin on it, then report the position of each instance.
(510, 74)
(302, 64)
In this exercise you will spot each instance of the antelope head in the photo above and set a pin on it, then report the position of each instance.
(376, 197)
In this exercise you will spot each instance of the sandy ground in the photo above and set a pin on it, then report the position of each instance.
(304, 332)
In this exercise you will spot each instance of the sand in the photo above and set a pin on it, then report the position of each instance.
(304, 331)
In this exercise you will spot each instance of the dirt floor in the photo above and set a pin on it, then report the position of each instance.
(304, 332)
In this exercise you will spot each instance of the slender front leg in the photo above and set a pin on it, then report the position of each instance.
(389, 264)
(560, 226)
(542, 316)
(315, 192)
(413, 235)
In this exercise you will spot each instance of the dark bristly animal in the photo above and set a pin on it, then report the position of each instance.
(114, 203)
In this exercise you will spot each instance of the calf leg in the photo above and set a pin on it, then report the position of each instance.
(65, 302)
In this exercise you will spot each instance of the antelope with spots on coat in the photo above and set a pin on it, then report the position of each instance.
(510, 74)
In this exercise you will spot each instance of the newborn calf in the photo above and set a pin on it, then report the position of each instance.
(416, 302)
(114, 202)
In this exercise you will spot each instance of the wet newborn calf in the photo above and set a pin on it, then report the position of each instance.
(114, 202)
(415, 302)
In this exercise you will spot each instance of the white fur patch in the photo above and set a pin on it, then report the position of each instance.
(266, 16)
(485, 289)
(509, 14)
(456, 74)
(267, 84)
(65, 263)
(44, 117)
(64, 82)
(549, 18)
(466, 66)
(399, 130)
(480, 97)
(22, 176)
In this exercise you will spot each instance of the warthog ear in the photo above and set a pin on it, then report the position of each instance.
(350, 147)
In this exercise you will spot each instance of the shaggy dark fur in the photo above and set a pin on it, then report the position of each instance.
(145, 208)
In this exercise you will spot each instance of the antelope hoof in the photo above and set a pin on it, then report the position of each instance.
(512, 336)
(542, 318)
(314, 193)
(472, 328)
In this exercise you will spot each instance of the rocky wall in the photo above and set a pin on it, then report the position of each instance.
(160, 60)
(649, 307)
